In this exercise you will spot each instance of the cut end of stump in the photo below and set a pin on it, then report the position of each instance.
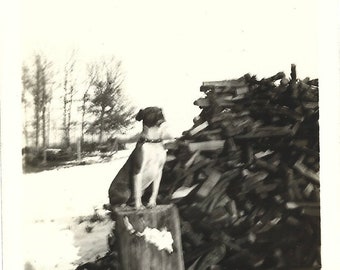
(126, 210)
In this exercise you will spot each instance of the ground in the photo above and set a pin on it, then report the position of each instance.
(57, 203)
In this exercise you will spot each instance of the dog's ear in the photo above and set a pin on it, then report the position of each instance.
(140, 115)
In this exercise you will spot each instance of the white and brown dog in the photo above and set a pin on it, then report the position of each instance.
(145, 164)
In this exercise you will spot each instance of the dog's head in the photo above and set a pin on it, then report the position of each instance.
(151, 116)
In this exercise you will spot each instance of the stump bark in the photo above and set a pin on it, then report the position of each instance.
(142, 236)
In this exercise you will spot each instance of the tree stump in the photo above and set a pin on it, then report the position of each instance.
(145, 238)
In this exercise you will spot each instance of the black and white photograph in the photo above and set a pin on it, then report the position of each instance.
(170, 135)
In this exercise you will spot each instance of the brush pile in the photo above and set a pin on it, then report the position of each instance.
(245, 176)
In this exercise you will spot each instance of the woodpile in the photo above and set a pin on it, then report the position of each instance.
(245, 176)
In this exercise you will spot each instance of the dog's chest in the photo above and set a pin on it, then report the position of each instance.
(154, 156)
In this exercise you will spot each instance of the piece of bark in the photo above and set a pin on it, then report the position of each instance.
(299, 204)
(311, 211)
(199, 128)
(194, 158)
(226, 83)
(212, 258)
(182, 192)
(207, 145)
(268, 166)
(208, 185)
(266, 132)
(307, 173)
(242, 90)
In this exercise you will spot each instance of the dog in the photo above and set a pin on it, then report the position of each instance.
(145, 164)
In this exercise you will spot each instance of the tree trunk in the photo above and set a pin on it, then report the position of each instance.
(69, 113)
(101, 124)
(65, 110)
(83, 112)
(37, 101)
(66, 126)
(139, 251)
(48, 129)
(79, 149)
(82, 127)
(25, 124)
(43, 118)
(68, 98)
(37, 128)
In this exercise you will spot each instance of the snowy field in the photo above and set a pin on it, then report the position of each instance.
(54, 201)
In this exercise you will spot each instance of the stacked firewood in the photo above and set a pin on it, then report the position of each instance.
(245, 176)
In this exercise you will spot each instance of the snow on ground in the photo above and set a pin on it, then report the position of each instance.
(53, 237)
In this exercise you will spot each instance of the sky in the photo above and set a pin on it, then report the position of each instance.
(168, 48)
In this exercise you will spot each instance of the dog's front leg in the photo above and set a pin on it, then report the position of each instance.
(137, 180)
(155, 188)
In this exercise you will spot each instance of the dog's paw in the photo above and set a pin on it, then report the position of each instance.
(140, 207)
(151, 205)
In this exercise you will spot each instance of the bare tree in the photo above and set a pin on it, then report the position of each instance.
(37, 81)
(91, 73)
(108, 105)
(45, 101)
(38, 84)
(69, 92)
(27, 84)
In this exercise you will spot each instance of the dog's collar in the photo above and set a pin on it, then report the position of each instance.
(146, 140)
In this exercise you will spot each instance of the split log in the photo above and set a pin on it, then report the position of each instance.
(198, 128)
(208, 185)
(306, 172)
(206, 146)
